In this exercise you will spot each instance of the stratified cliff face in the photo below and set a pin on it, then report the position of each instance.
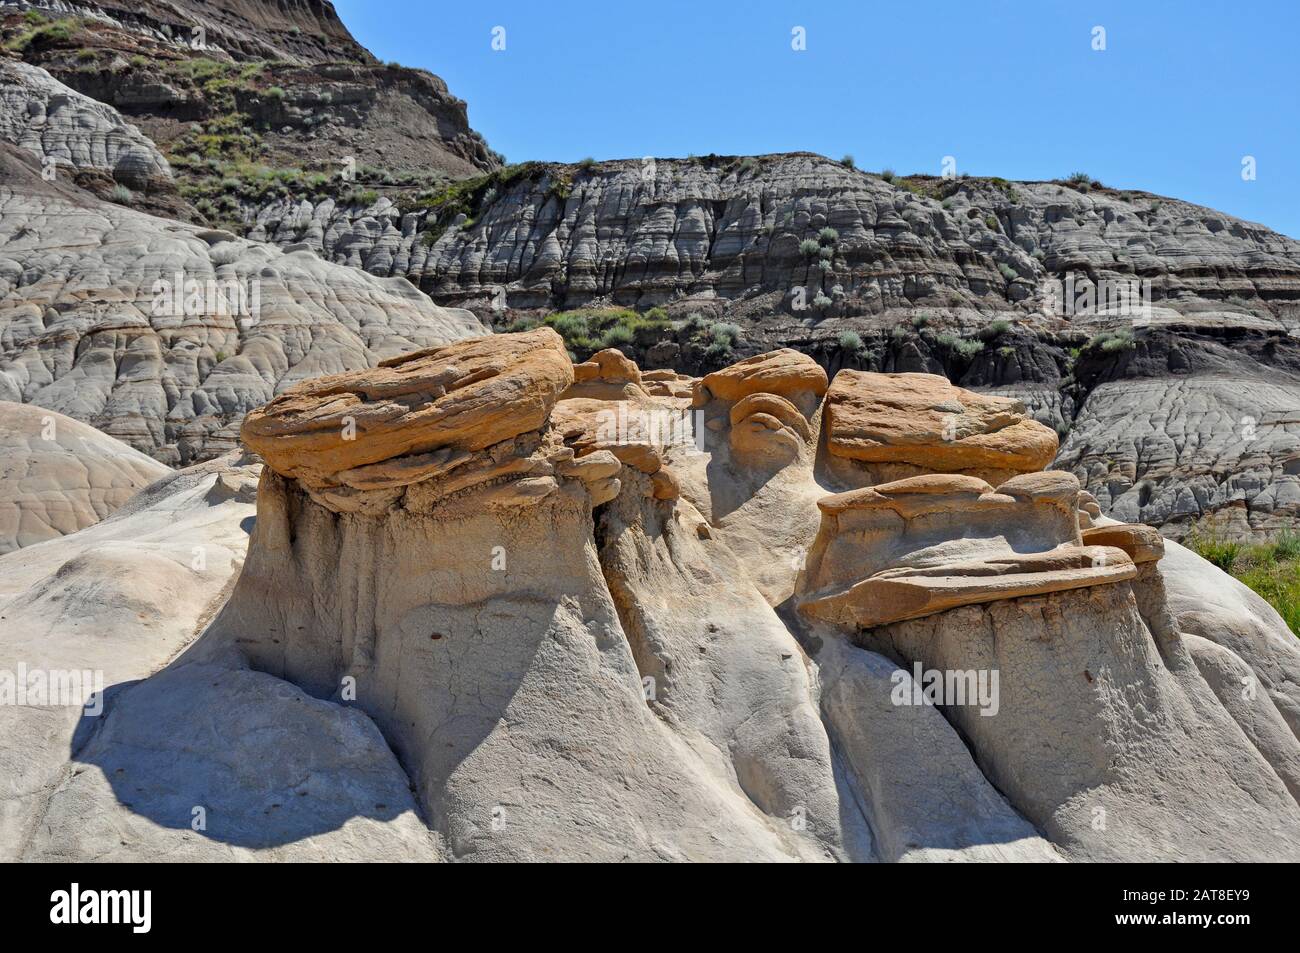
(648, 232)
(301, 30)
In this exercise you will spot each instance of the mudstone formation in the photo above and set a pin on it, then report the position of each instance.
(602, 613)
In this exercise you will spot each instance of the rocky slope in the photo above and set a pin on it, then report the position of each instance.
(162, 334)
(619, 636)
(269, 100)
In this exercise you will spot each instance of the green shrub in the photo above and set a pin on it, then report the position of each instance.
(1280, 588)
(694, 324)
(850, 341)
(848, 161)
(828, 236)
(809, 247)
(276, 92)
(821, 301)
(827, 253)
(586, 164)
(618, 336)
(724, 333)
(719, 352)
(995, 329)
(887, 175)
(1008, 273)
(1112, 342)
(121, 195)
(920, 320)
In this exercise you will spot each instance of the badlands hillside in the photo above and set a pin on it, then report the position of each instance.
(392, 502)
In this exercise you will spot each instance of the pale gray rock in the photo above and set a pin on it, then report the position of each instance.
(1107, 737)
(1219, 452)
(92, 324)
(74, 132)
(1207, 602)
(1237, 688)
(116, 600)
(211, 762)
(57, 475)
(927, 799)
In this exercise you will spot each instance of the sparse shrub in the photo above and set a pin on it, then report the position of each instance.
(848, 161)
(121, 195)
(748, 164)
(694, 324)
(887, 175)
(618, 336)
(1287, 545)
(586, 164)
(724, 333)
(809, 247)
(1008, 273)
(992, 222)
(960, 346)
(276, 93)
(828, 236)
(719, 352)
(995, 329)
(826, 253)
(821, 301)
(920, 320)
(1112, 342)
(1079, 178)
(850, 341)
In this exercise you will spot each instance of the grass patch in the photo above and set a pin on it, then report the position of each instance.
(1113, 342)
(1271, 569)
(588, 330)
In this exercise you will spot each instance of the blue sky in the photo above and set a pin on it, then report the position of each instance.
(1182, 92)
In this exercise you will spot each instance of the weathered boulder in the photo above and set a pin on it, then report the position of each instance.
(926, 422)
(784, 372)
(335, 430)
(925, 544)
